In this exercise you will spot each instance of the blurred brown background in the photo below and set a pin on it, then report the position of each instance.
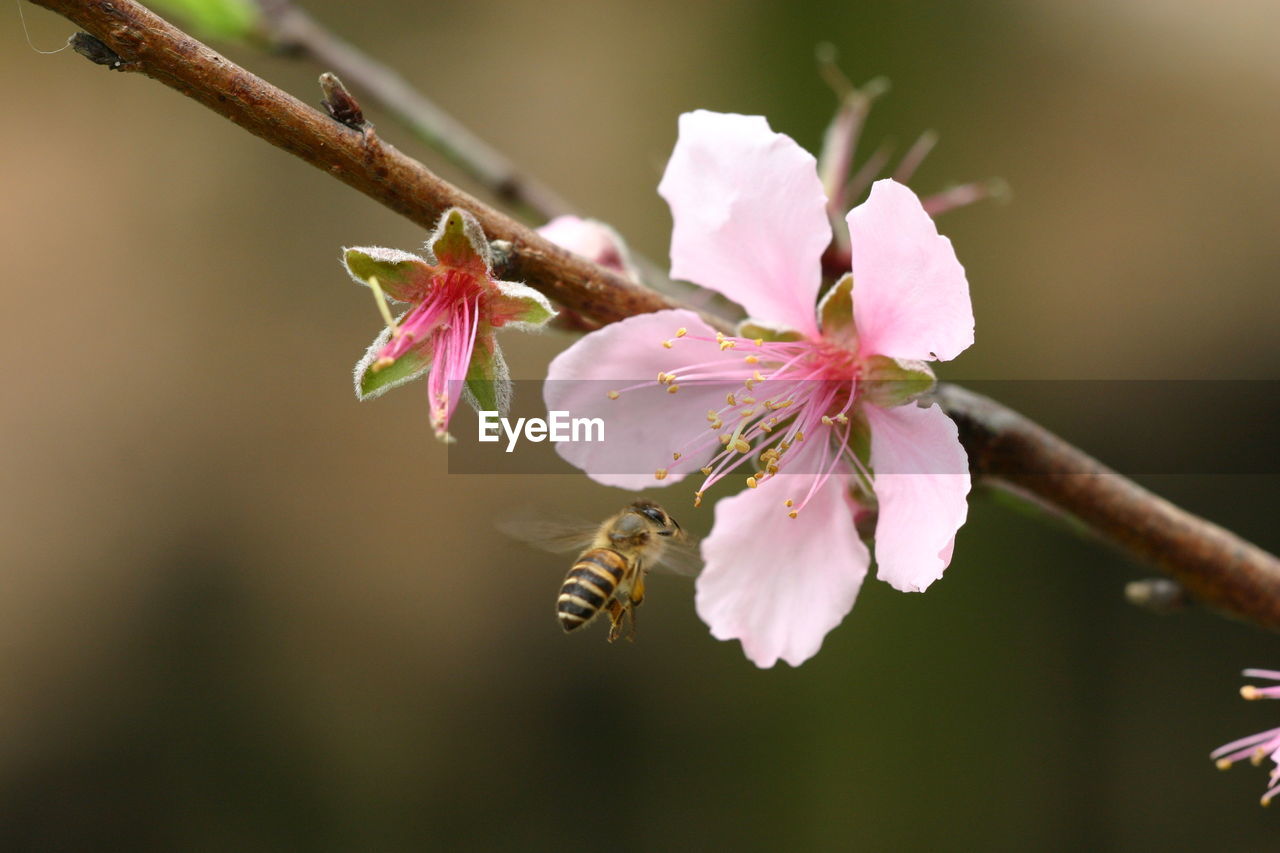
(239, 610)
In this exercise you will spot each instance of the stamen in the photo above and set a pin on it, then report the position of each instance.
(381, 299)
(673, 389)
(752, 359)
(751, 482)
(660, 474)
(681, 332)
(613, 395)
(668, 344)
(697, 499)
(675, 457)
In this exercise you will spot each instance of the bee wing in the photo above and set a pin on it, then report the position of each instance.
(552, 535)
(681, 557)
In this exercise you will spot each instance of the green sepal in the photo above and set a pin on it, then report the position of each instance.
(835, 311)
(756, 330)
(888, 382)
(519, 306)
(488, 387)
(860, 444)
(215, 19)
(459, 242)
(372, 383)
(402, 275)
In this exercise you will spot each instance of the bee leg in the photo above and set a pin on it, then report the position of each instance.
(617, 613)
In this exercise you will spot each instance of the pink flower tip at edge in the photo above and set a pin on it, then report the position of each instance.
(447, 331)
(816, 404)
(1257, 747)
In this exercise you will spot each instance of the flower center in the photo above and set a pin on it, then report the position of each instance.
(778, 395)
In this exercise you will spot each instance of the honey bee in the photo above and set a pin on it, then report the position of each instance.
(609, 575)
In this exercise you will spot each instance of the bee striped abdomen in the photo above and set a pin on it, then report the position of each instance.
(588, 586)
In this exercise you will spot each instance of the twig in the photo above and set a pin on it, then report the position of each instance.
(149, 45)
(1215, 566)
(293, 29)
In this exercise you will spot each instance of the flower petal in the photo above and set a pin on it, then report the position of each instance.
(750, 216)
(591, 239)
(921, 483)
(402, 275)
(780, 584)
(910, 295)
(643, 427)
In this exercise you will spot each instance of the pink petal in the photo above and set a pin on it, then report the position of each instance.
(645, 426)
(921, 481)
(593, 240)
(780, 584)
(750, 216)
(910, 296)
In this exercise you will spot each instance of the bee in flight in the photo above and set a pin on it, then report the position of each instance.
(608, 577)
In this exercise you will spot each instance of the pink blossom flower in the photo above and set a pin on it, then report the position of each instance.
(1259, 747)
(817, 405)
(593, 240)
(455, 304)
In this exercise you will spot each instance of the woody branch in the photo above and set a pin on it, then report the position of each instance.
(1005, 449)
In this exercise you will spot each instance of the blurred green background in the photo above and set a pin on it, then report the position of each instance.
(239, 610)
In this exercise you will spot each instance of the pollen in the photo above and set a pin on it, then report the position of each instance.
(1250, 692)
(746, 413)
(789, 503)
(712, 416)
(730, 399)
(673, 389)
(765, 426)
(759, 342)
(741, 445)
(826, 420)
(697, 499)
(613, 395)
(842, 418)
(724, 345)
(747, 401)
(724, 438)
(1223, 764)
(668, 344)
(751, 483)
(752, 359)
(660, 474)
(792, 514)
(681, 332)
(799, 436)
(675, 457)
(706, 472)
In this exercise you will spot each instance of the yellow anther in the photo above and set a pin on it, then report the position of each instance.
(842, 418)
(826, 420)
(712, 415)
(729, 398)
(799, 436)
(660, 474)
(675, 457)
(1250, 692)
(752, 359)
(668, 344)
(718, 423)
(790, 502)
(724, 345)
(746, 413)
(706, 472)
(772, 468)
(755, 374)
(697, 499)
(741, 445)
(784, 446)
(759, 342)
(724, 438)
(1258, 755)
(382, 363)
(751, 483)
(673, 389)
(747, 401)
(613, 395)
(681, 332)
(764, 426)
(792, 514)
(719, 336)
